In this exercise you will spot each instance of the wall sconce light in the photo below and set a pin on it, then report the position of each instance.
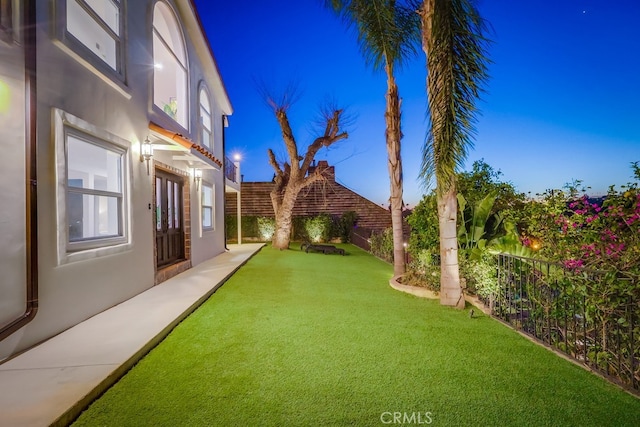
(197, 177)
(146, 152)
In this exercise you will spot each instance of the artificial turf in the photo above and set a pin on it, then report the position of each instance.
(296, 339)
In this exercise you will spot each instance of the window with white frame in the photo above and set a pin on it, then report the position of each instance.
(95, 191)
(170, 65)
(92, 192)
(206, 123)
(207, 207)
(96, 26)
(92, 196)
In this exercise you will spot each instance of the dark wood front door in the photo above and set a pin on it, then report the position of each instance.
(169, 221)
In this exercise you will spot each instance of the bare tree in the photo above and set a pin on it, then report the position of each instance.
(293, 175)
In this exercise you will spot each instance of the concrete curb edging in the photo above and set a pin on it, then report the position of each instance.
(426, 293)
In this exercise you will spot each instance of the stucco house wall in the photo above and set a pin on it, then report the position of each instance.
(72, 91)
(12, 185)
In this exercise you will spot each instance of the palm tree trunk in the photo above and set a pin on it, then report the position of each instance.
(450, 290)
(393, 135)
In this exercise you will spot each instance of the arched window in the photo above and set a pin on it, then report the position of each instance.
(206, 125)
(170, 65)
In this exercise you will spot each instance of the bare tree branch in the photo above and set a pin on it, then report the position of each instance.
(278, 99)
(293, 176)
(287, 136)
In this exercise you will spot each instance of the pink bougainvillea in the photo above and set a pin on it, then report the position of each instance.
(583, 233)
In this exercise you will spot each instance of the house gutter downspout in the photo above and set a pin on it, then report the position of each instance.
(29, 36)
(224, 180)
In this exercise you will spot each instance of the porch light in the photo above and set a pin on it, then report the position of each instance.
(146, 152)
(197, 177)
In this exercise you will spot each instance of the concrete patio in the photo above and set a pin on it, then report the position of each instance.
(53, 382)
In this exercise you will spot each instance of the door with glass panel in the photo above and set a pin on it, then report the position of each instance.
(169, 221)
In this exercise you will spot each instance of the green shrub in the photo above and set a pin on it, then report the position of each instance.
(424, 226)
(249, 227)
(327, 226)
(319, 228)
(480, 276)
(298, 231)
(345, 224)
(423, 271)
(266, 227)
(382, 244)
(231, 226)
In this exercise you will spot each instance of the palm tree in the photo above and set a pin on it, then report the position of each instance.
(456, 49)
(388, 33)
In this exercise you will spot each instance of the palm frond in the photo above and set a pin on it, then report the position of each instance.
(387, 30)
(456, 47)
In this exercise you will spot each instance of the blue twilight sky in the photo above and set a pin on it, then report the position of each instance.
(563, 102)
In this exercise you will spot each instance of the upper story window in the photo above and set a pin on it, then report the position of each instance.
(170, 65)
(206, 124)
(98, 26)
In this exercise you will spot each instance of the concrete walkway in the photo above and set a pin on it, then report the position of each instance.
(55, 381)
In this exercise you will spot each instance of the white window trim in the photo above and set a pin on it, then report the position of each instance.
(204, 229)
(83, 55)
(67, 252)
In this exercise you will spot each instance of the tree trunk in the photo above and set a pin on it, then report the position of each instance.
(450, 289)
(393, 135)
(284, 210)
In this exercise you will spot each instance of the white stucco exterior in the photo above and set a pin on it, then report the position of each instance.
(12, 185)
(74, 91)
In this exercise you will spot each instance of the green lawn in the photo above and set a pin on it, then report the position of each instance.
(295, 339)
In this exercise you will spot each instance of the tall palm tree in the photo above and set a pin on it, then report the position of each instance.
(388, 32)
(456, 48)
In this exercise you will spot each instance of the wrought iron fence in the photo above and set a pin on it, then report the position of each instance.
(591, 316)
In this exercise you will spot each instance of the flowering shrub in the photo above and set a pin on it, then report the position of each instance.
(595, 244)
(606, 237)
(582, 233)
